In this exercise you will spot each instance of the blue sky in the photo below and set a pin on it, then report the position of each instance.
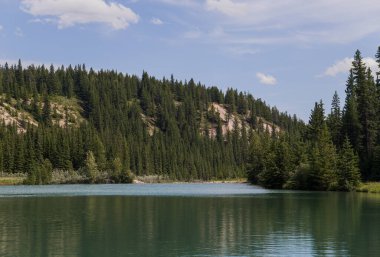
(290, 53)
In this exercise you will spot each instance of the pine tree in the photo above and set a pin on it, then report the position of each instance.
(316, 121)
(53, 84)
(117, 168)
(347, 168)
(323, 162)
(351, 125)
(375, 169)
(378, 61)
(36, 107)
(334, 120)
(367, 109)
(242, 105)
(46, 169)
(91, 168)
(219, 130)
(46, 112)
(359, 70)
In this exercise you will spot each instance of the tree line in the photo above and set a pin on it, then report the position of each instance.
(336, 151)
(142, 126)
(148, 126)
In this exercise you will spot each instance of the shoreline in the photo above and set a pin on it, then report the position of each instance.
(17, 179)
(164, 180)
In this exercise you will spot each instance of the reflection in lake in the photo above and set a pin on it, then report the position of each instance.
(281, 224)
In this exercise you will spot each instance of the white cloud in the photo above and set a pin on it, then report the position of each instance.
(156, 21)
(289, 21)
(266, 79)
(1, 27)
(186, 3)
(344, 66)
(262, 22)
(228, 7)
(72, 12)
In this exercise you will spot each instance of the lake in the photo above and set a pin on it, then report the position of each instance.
(185, 220)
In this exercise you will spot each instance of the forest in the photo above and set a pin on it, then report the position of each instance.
(107, 127)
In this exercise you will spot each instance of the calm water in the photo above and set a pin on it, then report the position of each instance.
(185, 220)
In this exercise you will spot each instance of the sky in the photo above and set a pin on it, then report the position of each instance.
(290, 53)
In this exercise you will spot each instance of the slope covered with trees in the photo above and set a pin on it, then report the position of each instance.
(123, 124)
(104, 126)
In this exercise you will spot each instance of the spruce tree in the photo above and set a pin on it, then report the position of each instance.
(46, 112)
(334, 120)
(367, 109)
(378, 62)
(316, 121)
(351, 126)
(323, 162)
(347, 168)
(91, 168)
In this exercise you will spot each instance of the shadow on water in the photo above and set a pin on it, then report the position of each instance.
(295, 224)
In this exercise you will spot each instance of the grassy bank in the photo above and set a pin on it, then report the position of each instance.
(163, 179)
(370, 187)
(11, 179)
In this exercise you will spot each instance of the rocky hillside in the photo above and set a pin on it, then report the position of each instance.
(125, 123)
(228, 121)
(68, 112)
(63, 111)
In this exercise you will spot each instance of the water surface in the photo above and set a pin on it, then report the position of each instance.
(185, 220)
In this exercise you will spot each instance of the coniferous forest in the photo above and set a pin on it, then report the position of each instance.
(105, 126)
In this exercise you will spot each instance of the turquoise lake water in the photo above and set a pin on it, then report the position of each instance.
(185, 220)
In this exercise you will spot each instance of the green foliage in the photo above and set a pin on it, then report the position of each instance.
(370, 187)
(117, 167)
(153, 127)
(316, 121)
(46, 112)
(347, 168)
(271, 161)
(40, 174)
(334, 121)
(300, 179)
(168, 128)
(323, 161)
(90, 170)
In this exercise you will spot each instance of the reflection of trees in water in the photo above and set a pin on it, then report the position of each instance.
(303, 223)
(38, 226)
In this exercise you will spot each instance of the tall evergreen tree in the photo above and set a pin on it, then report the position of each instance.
(91, 167)
(378, 62)
(316, 121)
(46, 112)
(323, 162)
(334, 120)
(351, 125)
(367, 108)
(347, 168)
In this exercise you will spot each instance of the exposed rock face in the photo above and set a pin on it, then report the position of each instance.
(67, 112)
(228, 121)
(63, 111)
(10, 116)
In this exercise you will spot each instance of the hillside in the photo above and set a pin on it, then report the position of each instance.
(106, 125)
(73, 125)
(68, 113)
(64, 112)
